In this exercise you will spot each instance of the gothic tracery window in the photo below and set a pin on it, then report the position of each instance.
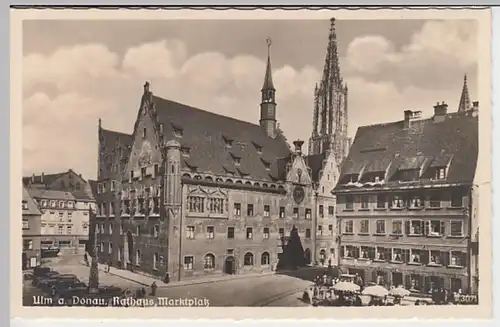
(196, 204)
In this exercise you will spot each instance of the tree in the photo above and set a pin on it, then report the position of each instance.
(295, 250)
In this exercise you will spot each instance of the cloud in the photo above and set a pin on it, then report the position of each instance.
(65, 92)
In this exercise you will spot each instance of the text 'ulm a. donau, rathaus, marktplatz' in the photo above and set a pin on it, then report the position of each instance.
(117, 301)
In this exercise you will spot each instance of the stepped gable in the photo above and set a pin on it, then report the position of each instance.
(216, 143)
(427, 142)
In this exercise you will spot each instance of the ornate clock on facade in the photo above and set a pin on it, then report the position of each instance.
(298, 194)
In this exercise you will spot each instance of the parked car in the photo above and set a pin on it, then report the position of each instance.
(46, 285)
(41, 271)
(61, 286)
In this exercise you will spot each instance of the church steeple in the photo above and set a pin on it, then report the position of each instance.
(464, 104)
(268, 101)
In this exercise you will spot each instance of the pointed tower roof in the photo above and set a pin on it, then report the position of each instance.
(331, 70)
(464, 103)
(268, 79)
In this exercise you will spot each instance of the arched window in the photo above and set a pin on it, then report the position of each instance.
(273, 186)
(155, 261)
(186, 175)
(138, 258)
(322, 256)
(256, 184)
(239, 182)
(248, 259)
(265, 259)
(229, 180)
(119, 253)
(197, 177)
(209, 261)
(248, 183)
(208, 178)
(264, 185)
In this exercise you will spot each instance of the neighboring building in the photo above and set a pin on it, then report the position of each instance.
(31, 232)
(330, 118)
(65, 200)
(221, 196)
(405, 201)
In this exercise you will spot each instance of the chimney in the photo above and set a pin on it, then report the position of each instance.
(33, 179)
(408, 114)
(440, 111)
(475, 105)
(41, 178)
(298, 147)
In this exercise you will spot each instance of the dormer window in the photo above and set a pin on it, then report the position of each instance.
(227, 141)
(161, 128)
(440, 173)
(409, 175)
(185, 151)
(237, 161)
(266, 164)
(258, 147)
(25, 205)
(178, 131)
(144, 132)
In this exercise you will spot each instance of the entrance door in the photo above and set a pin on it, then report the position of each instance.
(24, 261)
(230, 266)
(397, 279)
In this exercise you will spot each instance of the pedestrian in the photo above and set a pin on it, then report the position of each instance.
(109, 267)
(166, 279)
(153, 289)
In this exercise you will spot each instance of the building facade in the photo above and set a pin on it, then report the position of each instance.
(405, 202)
(31, 255)
(64, 200)
(222, 197)
(330, 115)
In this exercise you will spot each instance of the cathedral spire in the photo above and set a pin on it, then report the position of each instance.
(464, 103)
(268, 79)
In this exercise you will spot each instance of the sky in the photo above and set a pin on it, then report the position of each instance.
(75, 72)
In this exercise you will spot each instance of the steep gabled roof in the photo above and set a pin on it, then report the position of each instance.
(452, 142)
(44, 179)
(207, 135)
(116, 146)
(39, 193)
(315, 162)
(32, 206)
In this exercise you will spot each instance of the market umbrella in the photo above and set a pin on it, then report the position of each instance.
(346, 287)
(399, 292)
(376, 290)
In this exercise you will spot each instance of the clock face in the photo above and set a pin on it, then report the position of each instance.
(298, 194)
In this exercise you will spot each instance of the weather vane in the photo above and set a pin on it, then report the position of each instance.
(269, 42)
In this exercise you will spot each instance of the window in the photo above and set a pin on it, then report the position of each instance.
(156, 230)
(456, 228)
(397, 227)
(26, 224)
(112, 186)
(237, 209)
(321, 213)
(155, 261)
(381, 202)
(144, 132)
(209, 261)
(25, 205)
(102, 228)
(61, 204)
(458, 259)
(69, 229)
(435, 200)
(249, 233)
(110, 247)
(71, 204)
(308, 213)
(397, 202)
(61, 216)
(456, 199)
(27, 244)
(308, 233)
(456, 285)
(440, 173)
(190, 232)
(349, 202)
(416, 227)
(237, 161)
(408, 175)
(267, 210)
(110, 228)
(196, 204)
(331, 210)
(101, 248)
(382, 254)
(265, 259)
(367, 252)
(138, 230)
(230, 233)
(216, 205)
(210, 232)
(60, 229)
(416, 282)
(250, 210)
(281, 232)
(320, 230)
(364, 227)
(415, 256)
(43, 203)
(85, 228)
(70, 216)
(436, 258)
(138, 258)
(330, 229)
(188, 262)
(282, 212)
(266, 233)
(295, 212)
(380, 228)
(248, 259)
(351, 251)
(415, 202)
(364, 199)
(435, 228)
(397, 255)
(348, 227)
